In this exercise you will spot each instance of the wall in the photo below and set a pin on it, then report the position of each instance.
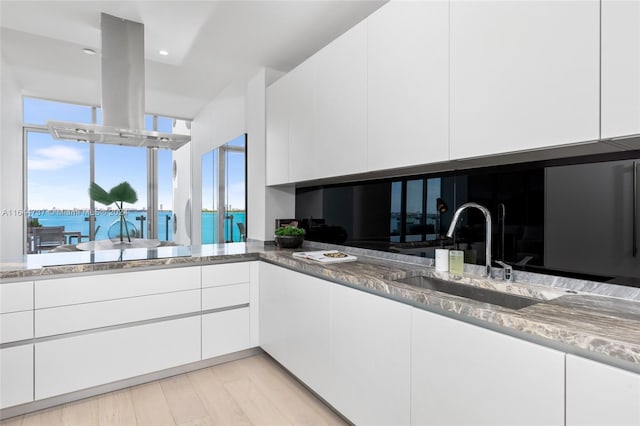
(265, 204)
(240, 108)
(11, 172)
(182, 212)
(256, 149)
(222, 120)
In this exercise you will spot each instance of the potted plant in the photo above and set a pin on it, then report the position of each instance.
(34, 222)
(289, 236)
(121, 193)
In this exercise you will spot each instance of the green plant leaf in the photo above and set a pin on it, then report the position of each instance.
(97, 193)
(123, 192)
(289, 231)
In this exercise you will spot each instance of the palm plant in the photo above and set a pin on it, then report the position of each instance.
(121, 193)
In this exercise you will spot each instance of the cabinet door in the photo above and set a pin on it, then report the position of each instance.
(303, 160)
(524, 75)
(79, 362)
(408, 84)
(340, 105)
(370, 358)
(620, 67)
(278, 110)
(599, 394)
(295, 324)
(225, 332)
(463, 374)
(16, 375)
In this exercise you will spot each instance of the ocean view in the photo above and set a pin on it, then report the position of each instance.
(78, 220)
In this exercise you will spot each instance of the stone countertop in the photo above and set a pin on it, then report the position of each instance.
(36, 266)
(603, 328)
(596, 326)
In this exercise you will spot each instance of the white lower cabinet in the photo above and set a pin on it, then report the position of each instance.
(225, 296)
(350, 347)
(466, 375)
(16, 375)
(295, 324)
(370, 357)
(16, 326)
(87, 316)
(598, 394)
(79, 362)
(225, 332)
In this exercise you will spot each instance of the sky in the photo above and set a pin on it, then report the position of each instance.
(58, 171)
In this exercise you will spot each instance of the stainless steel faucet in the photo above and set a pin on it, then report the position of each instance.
(487, 218)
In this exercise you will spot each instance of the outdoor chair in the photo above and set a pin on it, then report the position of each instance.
(48, 237)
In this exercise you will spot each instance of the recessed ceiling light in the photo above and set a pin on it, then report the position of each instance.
(163, 53)
(89, 51)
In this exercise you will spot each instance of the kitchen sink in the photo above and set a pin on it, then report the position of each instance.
(479, 294)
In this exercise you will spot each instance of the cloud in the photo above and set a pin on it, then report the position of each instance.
(55, 158)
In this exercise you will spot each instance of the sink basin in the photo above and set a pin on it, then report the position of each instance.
(479, 294)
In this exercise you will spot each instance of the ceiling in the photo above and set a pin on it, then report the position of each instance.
(211, 44)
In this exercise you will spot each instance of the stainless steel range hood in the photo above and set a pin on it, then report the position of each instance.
(123, 99)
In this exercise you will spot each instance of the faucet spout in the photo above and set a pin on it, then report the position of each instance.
(487, 218)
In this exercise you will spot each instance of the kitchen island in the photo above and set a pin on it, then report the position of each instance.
(193, 288)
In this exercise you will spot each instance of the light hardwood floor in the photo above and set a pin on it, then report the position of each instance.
(250, 391)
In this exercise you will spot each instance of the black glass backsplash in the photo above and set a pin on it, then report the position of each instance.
(572, 217)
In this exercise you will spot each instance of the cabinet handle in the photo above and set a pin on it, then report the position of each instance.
(634, 246)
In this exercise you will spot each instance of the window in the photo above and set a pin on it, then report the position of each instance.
(224, 193)
(417, 207)
(58, 175)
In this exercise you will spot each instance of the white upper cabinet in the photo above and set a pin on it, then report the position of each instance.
(524, 75)
(302, 161)
(340, 105)
(328, 110)
(278, 110)
(599, 394)
(620, 67)
(408, 84)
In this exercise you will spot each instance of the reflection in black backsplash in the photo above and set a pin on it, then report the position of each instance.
(410, 215)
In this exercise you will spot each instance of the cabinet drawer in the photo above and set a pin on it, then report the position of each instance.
(225, 332)
(95, 288)
(228, 295)
(16, 375)
(86, 316)
(16, 326)
(16, 297)
(231, 273)
(66, 365)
